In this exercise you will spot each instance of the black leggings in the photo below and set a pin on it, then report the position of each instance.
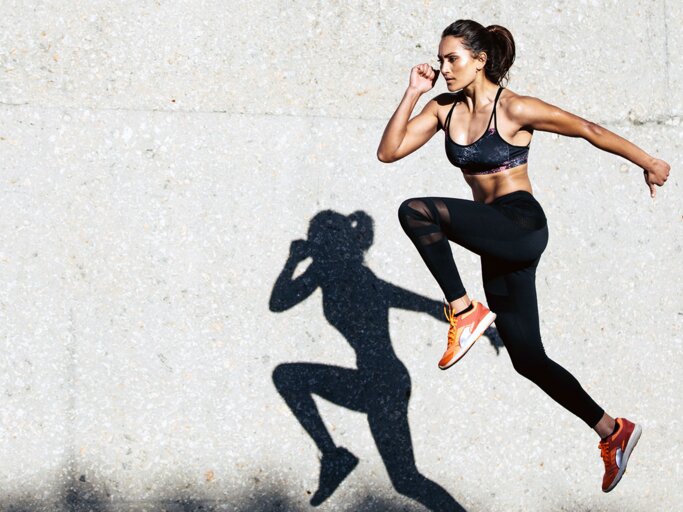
(509, 234)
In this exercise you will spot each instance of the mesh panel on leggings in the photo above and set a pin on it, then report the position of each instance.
(423, 219)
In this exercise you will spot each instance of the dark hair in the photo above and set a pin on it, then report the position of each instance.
(495, 40)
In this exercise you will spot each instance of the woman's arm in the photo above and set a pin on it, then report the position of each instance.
(401, 136)
(535, 113)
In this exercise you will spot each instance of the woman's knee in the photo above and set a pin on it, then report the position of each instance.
(531, 365)
(406, 208)
(415, 213)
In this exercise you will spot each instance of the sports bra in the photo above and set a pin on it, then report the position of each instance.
(489, 153)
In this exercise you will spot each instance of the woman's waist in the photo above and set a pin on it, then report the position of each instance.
(487, 189)
(522, 208)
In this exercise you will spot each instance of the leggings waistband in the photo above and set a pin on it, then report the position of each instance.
(517, 194)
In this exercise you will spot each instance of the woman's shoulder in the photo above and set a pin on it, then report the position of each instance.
(511, 98)
(527, 110)
(515, 104)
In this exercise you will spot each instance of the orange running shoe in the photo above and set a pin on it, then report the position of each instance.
(615, 451)
(464, 331)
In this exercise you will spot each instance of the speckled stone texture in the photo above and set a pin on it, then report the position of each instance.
(159, 159)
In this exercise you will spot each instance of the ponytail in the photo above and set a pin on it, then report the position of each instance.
(496, 41)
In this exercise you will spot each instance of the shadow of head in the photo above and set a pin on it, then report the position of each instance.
(333, 236)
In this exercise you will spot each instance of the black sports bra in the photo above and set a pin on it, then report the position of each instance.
(489, 153)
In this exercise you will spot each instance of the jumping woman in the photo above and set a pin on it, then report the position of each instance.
(488, 130)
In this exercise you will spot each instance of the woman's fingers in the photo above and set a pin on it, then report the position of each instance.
(649, 184)
(422, 76)
(656, 173)
(426, 71)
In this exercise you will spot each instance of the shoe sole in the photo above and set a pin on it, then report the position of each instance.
(481, 327)
(633, 440)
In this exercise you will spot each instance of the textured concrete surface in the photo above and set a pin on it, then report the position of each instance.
(157, 161)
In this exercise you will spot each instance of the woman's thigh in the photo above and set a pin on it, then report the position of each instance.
(510, 289)
(484, 230)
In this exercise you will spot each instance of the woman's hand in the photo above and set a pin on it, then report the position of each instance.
(656, 173)
(423, 77)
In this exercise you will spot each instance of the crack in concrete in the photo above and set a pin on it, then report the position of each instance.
(672, 120)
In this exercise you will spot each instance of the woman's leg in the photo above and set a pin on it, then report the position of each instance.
(493, 229)
(511, 292)
(430, 222)
(510, 253)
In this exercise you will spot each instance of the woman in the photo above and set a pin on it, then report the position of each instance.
(504, 224)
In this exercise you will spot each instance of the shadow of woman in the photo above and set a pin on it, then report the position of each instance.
(357, 304)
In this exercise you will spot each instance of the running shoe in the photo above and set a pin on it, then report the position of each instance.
(465, 329)
(615, 451)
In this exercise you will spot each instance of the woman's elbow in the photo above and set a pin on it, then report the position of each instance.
(591, 131)
(383, 157)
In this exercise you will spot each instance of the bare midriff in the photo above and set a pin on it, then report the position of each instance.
(487, 187)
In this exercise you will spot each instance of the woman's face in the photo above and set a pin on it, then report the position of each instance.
(456, 63)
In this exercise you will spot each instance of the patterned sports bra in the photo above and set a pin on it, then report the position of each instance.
(489, 153)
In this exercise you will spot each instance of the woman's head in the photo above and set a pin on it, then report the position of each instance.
(468, 48)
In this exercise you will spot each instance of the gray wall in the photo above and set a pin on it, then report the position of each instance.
(157, 159)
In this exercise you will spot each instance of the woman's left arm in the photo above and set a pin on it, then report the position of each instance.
(539, 115)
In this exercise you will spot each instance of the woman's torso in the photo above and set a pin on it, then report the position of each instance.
(501, 143)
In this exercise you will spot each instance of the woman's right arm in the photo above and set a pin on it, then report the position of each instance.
(403, 136)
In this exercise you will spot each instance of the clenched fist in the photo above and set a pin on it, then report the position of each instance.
(423, 77)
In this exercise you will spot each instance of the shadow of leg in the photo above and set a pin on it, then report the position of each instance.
(297, 382)
(388, 418)
(334, 468)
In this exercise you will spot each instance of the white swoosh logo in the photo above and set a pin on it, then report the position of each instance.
(466, 333)
(619, 455)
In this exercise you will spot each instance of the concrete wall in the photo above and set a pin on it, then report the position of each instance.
(157, 159)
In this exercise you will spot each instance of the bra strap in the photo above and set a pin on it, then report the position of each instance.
(493, 114)
(447, 122)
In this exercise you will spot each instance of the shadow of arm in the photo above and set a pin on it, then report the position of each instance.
(398, 297)
(288, 292)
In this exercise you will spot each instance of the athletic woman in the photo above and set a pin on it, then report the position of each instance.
(488, 129)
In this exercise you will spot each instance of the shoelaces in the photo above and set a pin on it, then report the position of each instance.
(605, 454)
(453, 320)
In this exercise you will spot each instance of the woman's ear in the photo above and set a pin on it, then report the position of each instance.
(482, 58)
